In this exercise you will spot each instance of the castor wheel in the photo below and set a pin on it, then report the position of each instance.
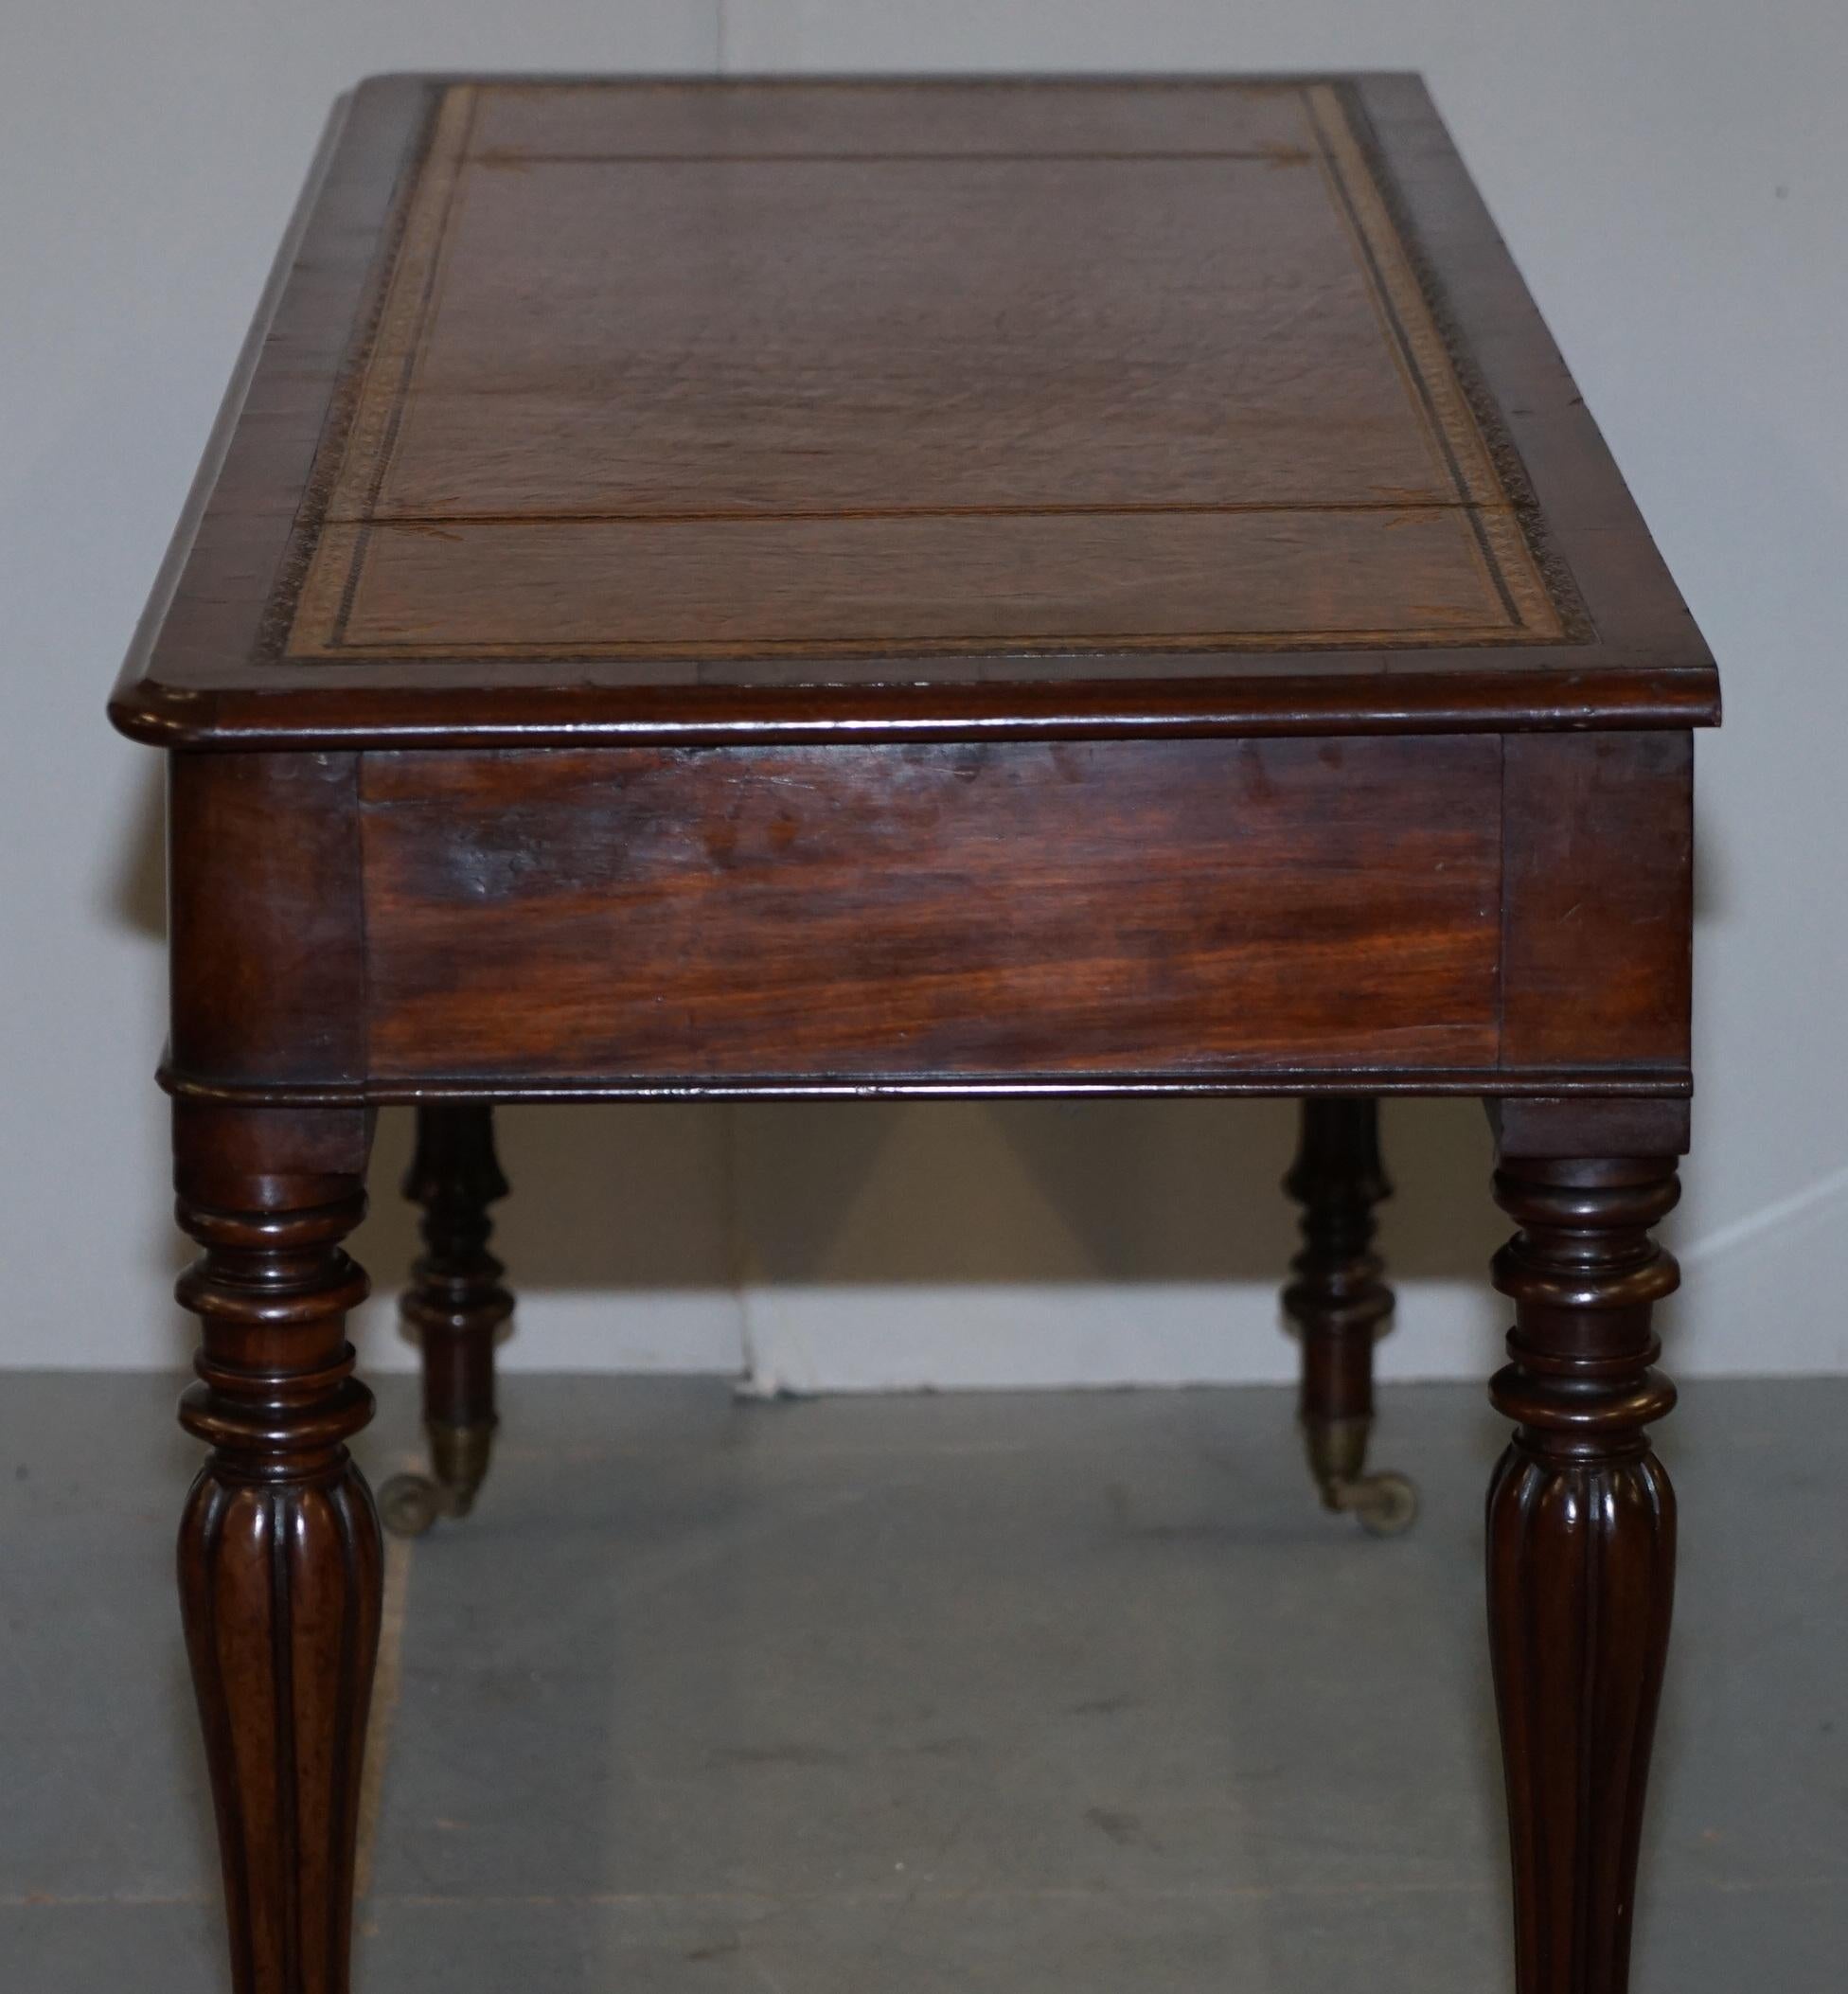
(1385, 1504)
(408, 1505)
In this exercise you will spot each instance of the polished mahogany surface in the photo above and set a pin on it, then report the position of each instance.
(722, 410)
(849, 913)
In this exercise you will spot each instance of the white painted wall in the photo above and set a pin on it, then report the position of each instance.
(1671, 176)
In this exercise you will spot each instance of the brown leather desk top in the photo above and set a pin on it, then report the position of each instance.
(722, 410)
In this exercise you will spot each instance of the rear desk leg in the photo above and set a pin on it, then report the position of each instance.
(455, 1307)
(1341, 1307)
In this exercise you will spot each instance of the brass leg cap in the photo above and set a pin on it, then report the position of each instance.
(458, 1459)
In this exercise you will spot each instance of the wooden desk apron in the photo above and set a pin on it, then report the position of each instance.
(708, 587)
(1457, 914)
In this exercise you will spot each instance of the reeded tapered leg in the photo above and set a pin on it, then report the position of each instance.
(455, 1307)
(279, 1554)
(1341, 1307)
(1581, 1554)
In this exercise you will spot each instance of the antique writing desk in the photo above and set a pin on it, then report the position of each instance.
(946, 589)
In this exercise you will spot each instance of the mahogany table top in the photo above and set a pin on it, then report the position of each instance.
(717, 410)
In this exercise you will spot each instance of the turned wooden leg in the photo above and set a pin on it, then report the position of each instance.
(280, 1553)
(1581, 1554)
(455, 1308)
(1340, 1306)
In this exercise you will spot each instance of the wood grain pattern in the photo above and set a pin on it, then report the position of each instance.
(1188, 905)
(266, 943)
(1598, 897)
(322, 904)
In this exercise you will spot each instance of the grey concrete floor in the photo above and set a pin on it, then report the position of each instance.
(1013, 1693)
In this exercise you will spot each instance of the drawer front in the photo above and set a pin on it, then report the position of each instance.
(1022, 909)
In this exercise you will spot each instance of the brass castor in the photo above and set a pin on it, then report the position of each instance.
(410, 1503)
(1385, 1504)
